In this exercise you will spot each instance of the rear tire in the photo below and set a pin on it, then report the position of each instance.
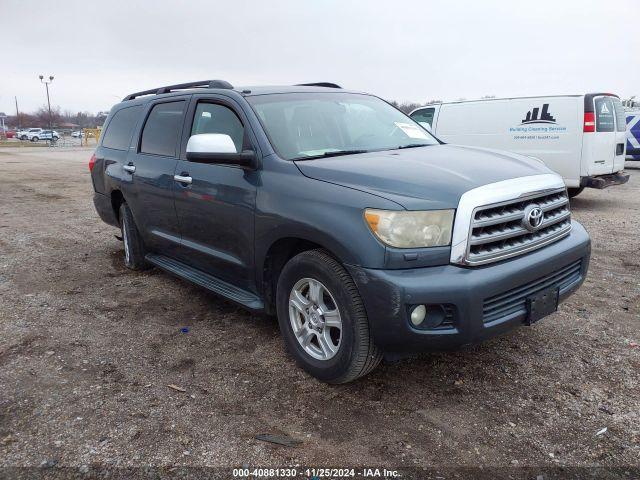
(134, 251)
(354, 353)
(574, 192)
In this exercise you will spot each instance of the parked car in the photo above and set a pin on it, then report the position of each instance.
(27, 133)
(581, 137)
(77, 134)
(44, 135)
(633, 135)
(332, 209)
(10, 133)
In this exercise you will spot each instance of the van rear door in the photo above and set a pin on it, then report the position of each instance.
(621, 134)
(600, 140)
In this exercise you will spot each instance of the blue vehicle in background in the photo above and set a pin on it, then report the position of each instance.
(633, 135)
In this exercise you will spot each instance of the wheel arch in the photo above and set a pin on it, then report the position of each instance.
(279, 252)
(117, 199)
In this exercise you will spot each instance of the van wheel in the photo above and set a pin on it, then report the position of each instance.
(134, 251)
(322, 319)
(574, 192)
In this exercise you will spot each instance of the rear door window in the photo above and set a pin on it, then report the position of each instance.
(605, 114)
(162, 129)
(424, 116)
(120, 128)
(621, 118)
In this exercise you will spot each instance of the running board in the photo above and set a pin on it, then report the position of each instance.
(222, 288)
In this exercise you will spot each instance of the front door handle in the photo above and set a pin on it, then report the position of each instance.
(183, 179)
(129, 168)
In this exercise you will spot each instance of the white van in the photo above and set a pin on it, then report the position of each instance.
(581, 137)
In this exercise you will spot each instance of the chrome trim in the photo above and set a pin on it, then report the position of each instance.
(530, 247)
(515, 231)
(183, 179)
(493, 194)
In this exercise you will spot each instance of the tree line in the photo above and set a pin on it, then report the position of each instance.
(40, 118)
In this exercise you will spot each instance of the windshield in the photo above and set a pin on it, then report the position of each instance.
(311, 125)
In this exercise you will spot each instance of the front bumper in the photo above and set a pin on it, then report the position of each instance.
(389, 294)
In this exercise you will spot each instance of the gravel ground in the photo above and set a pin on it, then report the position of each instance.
(87, 349)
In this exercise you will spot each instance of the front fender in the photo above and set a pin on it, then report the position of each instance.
(290, 205)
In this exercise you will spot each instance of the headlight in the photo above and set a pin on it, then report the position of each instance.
(405, 229)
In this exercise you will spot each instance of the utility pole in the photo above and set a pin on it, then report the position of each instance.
(46, 84)
(17, 114)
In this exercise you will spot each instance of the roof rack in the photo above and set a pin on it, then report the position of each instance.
(319, 84)
(181, 86)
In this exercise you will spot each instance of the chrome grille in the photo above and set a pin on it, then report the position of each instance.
(514, 301)
(498, 231)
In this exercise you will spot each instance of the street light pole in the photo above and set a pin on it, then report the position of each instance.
(17, 113)
(46, 85)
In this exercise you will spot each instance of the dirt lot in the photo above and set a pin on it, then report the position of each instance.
(87, 349)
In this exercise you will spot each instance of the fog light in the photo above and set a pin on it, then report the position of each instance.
(418, 314)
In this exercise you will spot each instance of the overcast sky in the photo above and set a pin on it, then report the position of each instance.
(410, 50)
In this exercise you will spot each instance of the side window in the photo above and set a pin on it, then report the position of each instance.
(120, 128)
(214, 118)
(160, 133)
(621, 120)
(604, 114)
(424, 116)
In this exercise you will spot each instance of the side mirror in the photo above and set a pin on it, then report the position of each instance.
(218, 148)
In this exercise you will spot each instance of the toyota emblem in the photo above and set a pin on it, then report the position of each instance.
(533, 218)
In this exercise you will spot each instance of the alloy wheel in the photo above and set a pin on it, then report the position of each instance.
(315, 319)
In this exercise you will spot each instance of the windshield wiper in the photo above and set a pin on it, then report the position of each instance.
(415, 145)
(337, 153)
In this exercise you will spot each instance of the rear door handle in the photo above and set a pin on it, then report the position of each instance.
(129, 168)
(183, 179)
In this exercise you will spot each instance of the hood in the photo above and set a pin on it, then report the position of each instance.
(428, 178)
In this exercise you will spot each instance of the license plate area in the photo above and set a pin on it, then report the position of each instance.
(542, 304)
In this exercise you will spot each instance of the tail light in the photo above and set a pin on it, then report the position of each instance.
(92, 162)
(589, 122)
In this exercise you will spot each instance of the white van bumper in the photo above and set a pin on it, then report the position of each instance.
(604, 181)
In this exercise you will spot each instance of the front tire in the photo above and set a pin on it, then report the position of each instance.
(322, 319)
(34, 139)
(134, 251)
(574, 192)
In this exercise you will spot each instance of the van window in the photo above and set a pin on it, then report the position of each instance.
(424, 115)
(604, 114)
(160, 134)
(120, 128)
(621, 118)
(213, 118)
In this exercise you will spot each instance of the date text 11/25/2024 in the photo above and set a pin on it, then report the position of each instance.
(314, 473)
